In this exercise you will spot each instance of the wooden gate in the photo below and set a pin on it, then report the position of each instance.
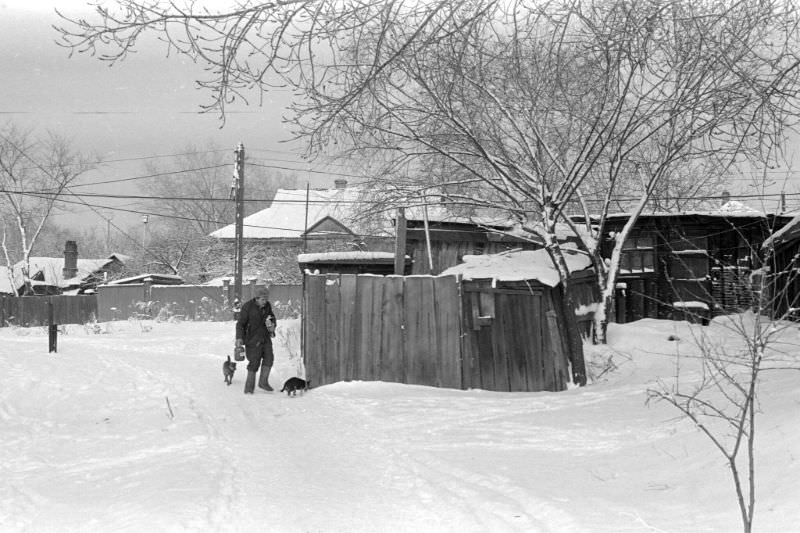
(371, 328)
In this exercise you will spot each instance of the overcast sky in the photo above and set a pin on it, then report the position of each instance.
(148, 105)
(145, 106)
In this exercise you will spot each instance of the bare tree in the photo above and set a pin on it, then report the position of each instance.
(193, 192)
(527, 106)
(723, 400)
(34, 174)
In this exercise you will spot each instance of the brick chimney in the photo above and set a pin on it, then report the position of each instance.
(340, 183)
(70, 269)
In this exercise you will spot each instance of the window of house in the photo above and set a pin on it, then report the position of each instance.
(638, 255)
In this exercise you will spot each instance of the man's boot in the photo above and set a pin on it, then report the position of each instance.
(263, 379)
(250, 384)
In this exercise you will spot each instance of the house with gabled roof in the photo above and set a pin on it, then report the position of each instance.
(307, 221)
(315, 218)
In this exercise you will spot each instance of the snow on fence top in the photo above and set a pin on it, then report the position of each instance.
(344, 256)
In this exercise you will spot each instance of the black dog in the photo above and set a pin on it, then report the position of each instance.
(293, 385)
(228, 368)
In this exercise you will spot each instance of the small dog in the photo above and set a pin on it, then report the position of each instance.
(293, 385)
(228, 368)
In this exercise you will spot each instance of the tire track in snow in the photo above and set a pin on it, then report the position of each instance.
(496, 502)
(222, 505)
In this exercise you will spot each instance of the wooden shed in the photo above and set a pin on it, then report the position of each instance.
(499, 333)
(448, 241)
(781, 278)
(690, 265)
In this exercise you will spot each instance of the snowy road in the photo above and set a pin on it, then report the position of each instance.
(90, 443)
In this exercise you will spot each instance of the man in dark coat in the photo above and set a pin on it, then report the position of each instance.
(255, 329)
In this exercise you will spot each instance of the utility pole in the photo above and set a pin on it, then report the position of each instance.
(239, 241)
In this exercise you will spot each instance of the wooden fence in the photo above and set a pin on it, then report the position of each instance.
(121, 302)
(33, 311)
(437, 331)
(189, 302)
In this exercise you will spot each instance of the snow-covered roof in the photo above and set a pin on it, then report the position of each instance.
(286, 216)
(51, 268)
(355, 256)
(142, 277)
(731, 209)
(438, 212)
(789, 232)
(518, 266)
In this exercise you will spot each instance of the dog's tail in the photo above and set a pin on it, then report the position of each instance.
(229, 358)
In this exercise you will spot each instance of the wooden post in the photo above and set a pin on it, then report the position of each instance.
(400, 242)
(239, 223)
(52, 327)
(427, 236)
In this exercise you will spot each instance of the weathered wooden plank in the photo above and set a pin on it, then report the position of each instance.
(411, 311)
(393, 335)
(535, 355)
(315, 330)
(512, 313)
(333, 343)
(369, 293)
(448, 305)
(485, 357)
(430, 343)
(572, 346)
(553, 348)
(470, 367)
(420, 336)
(349, 317)
(499, 345)
(539, 344)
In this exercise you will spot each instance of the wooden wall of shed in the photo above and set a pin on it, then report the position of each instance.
(437, 331)
(448, 253)
(517, 337)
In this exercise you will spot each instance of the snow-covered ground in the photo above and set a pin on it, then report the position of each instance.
(133, 429)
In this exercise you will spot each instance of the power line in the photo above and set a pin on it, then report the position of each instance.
(300, 200)
(277, 167)
(123, 159)
(159, 174)
(155, 214)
